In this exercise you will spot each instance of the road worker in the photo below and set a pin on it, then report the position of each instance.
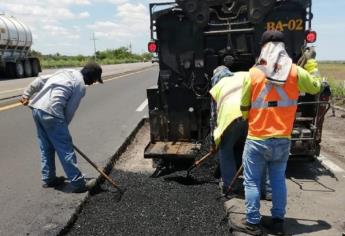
(269, 102)
(228, 128)
(54, 99)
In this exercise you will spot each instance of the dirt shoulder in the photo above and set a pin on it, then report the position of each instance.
(333, 140)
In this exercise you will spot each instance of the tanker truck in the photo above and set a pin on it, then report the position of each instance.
(15, 44)
(191, 38)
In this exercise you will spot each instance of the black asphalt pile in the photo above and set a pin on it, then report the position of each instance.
(154, 206)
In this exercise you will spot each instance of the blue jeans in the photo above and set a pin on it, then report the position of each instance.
(258, 154)
(53, 136)
(266, 187)
(229, 154)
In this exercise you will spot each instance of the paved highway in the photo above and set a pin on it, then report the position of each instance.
(107, 115)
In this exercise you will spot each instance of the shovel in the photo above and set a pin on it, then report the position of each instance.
(198, 163)
(99, 170)
(228, 191)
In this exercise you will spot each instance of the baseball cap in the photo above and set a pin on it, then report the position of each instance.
(94, 71)
(271, 36)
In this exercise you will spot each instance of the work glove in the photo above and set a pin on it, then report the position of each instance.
(309, 53)
(24, 100)
(325, 89)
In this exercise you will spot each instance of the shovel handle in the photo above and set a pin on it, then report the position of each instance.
(228, 191)
(198, 162)
(96, 167)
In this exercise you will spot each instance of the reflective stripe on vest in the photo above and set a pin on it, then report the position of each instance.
(284, 102)
(273, 107)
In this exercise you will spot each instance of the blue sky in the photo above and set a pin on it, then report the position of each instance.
(66, 26)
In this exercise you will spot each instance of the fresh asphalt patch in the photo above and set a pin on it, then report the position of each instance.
(171, 204)
(154, 206)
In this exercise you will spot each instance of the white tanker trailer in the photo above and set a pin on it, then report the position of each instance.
(15, 44)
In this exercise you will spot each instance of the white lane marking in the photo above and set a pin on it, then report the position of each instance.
(142, 106)
(120, 76)
(331, 165)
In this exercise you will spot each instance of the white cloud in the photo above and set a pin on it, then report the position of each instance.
(48, 3)
(116, 2)
(109, 30)
(83, 15)
(60, 31)
(81, 2)
(39, 11)
(132, 20)
(103, 25)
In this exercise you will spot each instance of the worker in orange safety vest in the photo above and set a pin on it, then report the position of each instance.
(269, 103)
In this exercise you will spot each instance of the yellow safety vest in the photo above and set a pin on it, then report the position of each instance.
(227, 94)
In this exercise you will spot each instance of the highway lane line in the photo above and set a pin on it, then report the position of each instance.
(10, 106)
(142, 106)
(330, 165)
(134, 73)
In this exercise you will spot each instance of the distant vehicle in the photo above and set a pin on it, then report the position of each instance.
(154, 59)
(15, 44)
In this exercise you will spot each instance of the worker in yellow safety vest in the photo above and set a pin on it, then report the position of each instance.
(269, 102)
(228, 129)
(227, 126)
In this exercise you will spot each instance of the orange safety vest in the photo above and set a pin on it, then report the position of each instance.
(273, 107)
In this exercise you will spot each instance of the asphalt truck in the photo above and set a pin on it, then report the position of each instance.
(15, 45)
(190, 39)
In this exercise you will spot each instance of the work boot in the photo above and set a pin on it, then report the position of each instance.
(248, 228)
(274, 226)
(83, 188)
(57, 181)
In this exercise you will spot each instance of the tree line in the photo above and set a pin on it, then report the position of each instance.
(109, 56)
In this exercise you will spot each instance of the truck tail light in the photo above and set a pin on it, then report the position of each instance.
(152, 46)
(310, 37)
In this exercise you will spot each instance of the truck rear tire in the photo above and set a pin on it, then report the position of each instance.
(35, 67)
(19, 69)
(27, 68)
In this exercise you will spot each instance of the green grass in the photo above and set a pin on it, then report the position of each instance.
(109, 56)
(60, 63)
(334, 73)
(338, 91)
